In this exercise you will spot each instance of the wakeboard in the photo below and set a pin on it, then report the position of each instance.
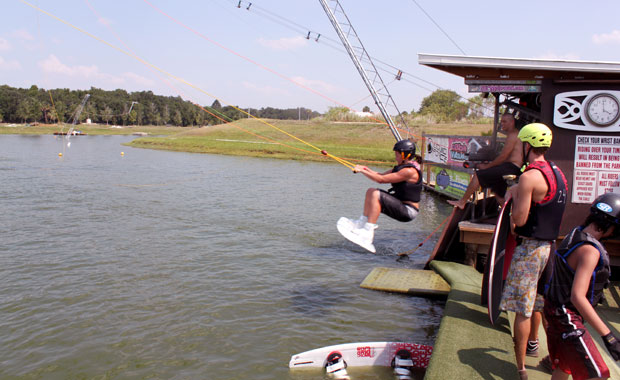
(345, 227)
(498, 262)
(366, 354)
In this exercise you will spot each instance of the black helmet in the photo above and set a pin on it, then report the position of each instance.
(608, 207)
(407, 147)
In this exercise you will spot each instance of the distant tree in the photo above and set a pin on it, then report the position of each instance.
(107, 114)
(366, 109)
(132, 117)
(165, 114)
(480, 106)
(444, 106)
(177, 118)
(216, 105)
(29, 109)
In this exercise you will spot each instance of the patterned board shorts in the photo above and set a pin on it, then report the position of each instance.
(528, 263)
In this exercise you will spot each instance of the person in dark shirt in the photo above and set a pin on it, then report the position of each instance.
(581, 271)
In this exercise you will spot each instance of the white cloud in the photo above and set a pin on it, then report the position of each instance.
(4, 45)
(291, 43)
(264, 90)
(317, 85)
(561, 57)
(9, 65)
(23, 34)
(606, 38)
(52, 65)
(138, 79)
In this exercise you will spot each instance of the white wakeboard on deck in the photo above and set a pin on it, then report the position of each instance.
(345, 227)
(366, 354)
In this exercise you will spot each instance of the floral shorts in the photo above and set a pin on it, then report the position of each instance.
(528, 263)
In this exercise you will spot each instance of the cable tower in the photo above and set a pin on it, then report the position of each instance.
(77, 114)
(362, 62)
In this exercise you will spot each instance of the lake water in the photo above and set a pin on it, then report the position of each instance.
(166, 265)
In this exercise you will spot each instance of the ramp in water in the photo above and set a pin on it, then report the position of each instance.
(411, 281)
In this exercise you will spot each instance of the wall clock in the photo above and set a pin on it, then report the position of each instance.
(603, 109)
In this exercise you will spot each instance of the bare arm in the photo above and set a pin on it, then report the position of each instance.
(584, 260)
(388, 177)
(522, 198)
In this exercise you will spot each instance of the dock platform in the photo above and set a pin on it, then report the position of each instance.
(468, 347)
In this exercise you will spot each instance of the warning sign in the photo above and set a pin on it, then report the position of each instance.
(597, 167)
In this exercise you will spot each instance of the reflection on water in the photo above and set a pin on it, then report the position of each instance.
(171, 265)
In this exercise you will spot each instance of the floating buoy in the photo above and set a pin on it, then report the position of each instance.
(122, 153)
(59, 154)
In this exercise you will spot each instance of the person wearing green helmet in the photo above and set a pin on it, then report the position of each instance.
(539, 200)
(490, 175)
(401, 202)
(581, 270)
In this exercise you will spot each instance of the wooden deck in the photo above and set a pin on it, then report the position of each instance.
(477, 239)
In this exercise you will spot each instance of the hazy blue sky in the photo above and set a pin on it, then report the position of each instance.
(38, 49)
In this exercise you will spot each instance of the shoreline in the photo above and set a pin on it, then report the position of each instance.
(357, 142)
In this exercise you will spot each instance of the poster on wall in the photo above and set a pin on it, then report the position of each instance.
(452, 150)
(449, 182)
(597, 167)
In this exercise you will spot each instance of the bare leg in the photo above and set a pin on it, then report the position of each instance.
(474, 184)
(522, 332)
(535, 324)
(372, 206)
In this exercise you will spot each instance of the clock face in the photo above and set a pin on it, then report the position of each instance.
(603, 109)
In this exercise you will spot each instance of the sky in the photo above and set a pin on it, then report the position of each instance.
(204, 50)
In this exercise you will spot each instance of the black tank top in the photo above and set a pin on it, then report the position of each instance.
(407, 191)
(559, 290)
(545, 217)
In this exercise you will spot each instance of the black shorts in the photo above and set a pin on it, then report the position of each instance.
(395, 208)
(492, 177)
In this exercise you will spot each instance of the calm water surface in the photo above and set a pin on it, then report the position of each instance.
(166, 265)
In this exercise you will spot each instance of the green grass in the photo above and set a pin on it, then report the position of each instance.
(356, 142)
(284, 139)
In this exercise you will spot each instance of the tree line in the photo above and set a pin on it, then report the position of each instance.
(120, 107)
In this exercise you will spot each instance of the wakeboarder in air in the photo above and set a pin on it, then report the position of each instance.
(401, 202)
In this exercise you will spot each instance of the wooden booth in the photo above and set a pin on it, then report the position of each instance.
(578, 100)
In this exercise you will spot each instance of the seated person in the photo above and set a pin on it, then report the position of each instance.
(490, 175)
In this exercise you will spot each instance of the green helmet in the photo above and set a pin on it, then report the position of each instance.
(537, 134)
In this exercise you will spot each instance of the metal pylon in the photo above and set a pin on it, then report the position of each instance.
(362, 62)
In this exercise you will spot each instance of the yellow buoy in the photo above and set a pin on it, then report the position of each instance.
(59, 154)
(122, 153)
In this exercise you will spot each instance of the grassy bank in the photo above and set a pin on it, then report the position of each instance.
(357, 142)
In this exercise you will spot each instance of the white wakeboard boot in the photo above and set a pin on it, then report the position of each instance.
(362, 236)
(353, 223)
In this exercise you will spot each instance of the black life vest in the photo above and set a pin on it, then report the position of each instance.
(545, 217)
(407, 191)
(559, 288)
